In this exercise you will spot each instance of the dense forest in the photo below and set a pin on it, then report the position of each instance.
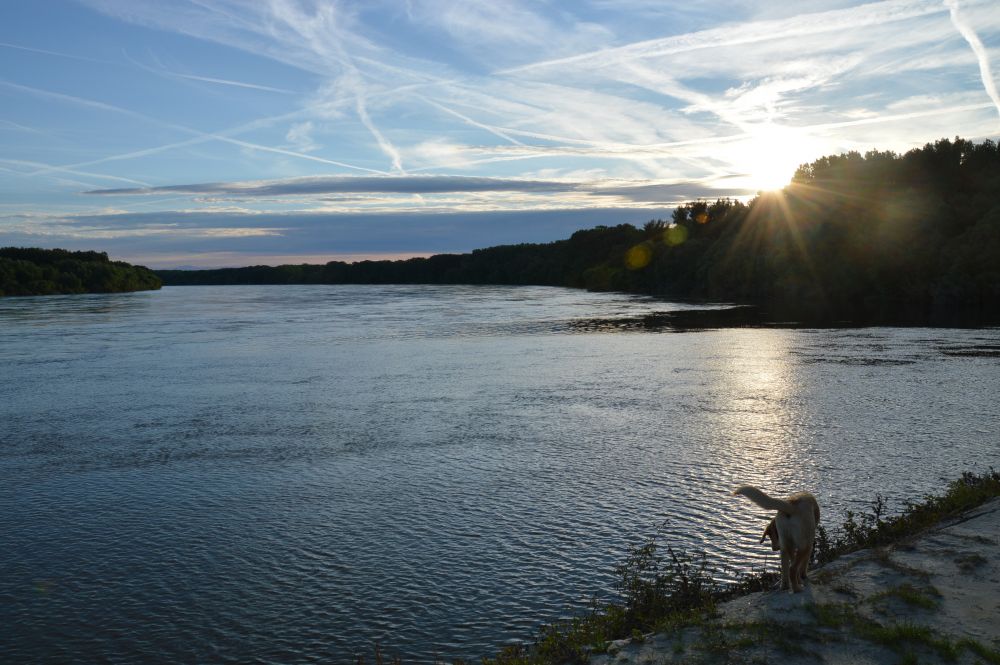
(878, 236)
(36, 272)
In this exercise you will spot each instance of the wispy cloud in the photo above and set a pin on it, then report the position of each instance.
(449, 106)
(977, 47)
(440, 194)
(323, 31)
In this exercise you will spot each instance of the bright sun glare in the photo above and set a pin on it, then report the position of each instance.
(771, 156)
(772, 171)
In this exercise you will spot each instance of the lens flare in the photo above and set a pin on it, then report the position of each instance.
(675, 235)
(638, 257)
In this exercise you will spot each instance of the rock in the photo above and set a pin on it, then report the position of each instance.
(617, 645)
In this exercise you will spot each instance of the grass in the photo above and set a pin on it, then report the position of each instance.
(970, 562)
(871, 529)
(985, 654)
(664, 590)
(900, 638)
(927, 598)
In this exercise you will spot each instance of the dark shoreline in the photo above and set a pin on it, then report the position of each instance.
(701, 314)
(758, 316)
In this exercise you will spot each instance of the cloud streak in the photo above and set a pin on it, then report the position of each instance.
(626, 192)
(344, 184)
(977, 47)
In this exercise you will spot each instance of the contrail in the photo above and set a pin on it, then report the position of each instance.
(163, 71)
(383, 143)
(475, 123)
(978, 48)
(47, 168)
(852, 18)
(199, 135)
(71, 56)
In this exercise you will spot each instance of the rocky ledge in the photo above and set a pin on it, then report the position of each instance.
(934, 597)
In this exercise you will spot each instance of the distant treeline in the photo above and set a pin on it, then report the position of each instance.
(876, 236)
(26, 271)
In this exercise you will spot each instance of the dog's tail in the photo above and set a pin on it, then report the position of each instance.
(763, 500)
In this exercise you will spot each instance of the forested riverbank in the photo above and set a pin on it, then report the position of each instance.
(29, 271)
(879, 236)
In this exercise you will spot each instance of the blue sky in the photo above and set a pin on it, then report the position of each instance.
(236, 132)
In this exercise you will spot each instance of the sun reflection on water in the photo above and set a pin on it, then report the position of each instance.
(759, 414)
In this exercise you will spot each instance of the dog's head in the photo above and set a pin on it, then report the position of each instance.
(772, 531)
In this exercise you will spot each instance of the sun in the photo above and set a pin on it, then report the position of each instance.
(773, 170)
(771, 155)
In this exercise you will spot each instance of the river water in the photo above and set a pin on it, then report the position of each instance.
(291, 474)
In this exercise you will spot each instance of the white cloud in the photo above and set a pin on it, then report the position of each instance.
(300, 136)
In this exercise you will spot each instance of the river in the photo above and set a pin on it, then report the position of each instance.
(293, 473)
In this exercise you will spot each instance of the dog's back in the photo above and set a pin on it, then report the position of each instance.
(799, 525)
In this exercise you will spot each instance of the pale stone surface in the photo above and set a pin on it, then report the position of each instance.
(954, 567)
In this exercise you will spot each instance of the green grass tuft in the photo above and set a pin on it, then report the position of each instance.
(927, 599)
(871, 529)
(899, 636)
(986, 654)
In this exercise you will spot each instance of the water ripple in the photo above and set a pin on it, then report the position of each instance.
(291, 474)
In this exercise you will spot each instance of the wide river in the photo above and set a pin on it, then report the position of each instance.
(292, 473)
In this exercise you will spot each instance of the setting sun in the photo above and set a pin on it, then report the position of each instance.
(771, 156)
(773, 171)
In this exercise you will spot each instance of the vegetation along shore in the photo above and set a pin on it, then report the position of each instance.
(879, 237)
(28, 271)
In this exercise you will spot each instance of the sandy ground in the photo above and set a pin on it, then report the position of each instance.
(933, 598)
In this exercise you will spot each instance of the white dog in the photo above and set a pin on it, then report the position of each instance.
(792, 531)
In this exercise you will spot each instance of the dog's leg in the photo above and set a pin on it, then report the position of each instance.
(786, 561)
(800, 565)
(795, 574)
(804, 564)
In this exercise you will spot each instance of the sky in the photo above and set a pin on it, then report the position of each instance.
(207, 133)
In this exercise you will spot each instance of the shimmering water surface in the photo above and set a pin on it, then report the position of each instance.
(290, 474)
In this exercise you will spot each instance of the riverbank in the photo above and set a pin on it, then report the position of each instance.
(933, 597)
(32, 271)
(922, 586)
